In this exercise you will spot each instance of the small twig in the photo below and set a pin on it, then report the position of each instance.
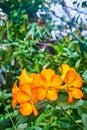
(72, 119)
(10, 117)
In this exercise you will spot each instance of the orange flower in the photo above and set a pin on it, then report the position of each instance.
(24, 78)
(47, 84)
(64, 68)
(19, 96)
(35, 87)
(26, 99)
(73, 84)
(27, 108)
(26, 81)
(15, 89)
(25, 95)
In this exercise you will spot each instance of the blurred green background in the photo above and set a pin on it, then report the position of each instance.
(29, 38)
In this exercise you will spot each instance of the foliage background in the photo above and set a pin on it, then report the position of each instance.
(26, 40)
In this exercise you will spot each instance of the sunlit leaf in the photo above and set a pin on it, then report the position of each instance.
(84, 120)
(63, 102)
(22, 126)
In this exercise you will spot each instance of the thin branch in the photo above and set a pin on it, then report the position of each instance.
(10, 117)
(72, 119)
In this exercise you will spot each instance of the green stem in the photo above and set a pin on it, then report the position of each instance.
(72, 119)
(51, 115)
(10, 117)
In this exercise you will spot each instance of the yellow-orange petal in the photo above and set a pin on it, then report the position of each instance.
(48, 73)
(24, 78)
(56, 81)
(64, 69)
(14, 103)
(35, 111)
(32, 75)
(77, 93)
(41, 93)
(52, 94)
(70, 76)
(15, 89)
(34, 96)
(70, 98)
(25, 109)
(22, 97)
(26, 88)
(38, 80)
(77, 82)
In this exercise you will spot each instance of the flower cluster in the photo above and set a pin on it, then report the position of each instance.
(36, 87)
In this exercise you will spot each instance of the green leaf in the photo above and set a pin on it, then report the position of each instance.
(77, 64)
(82, 108)
(38, 31)
(29, 128)
(42, 117)
(0, 93)
(63, 102)
(84, 75)
(9, 128)
(24, 16)
(47, 127)
(64, 124)
(38, 128)
(84, 120)
(1, 52)
(22, 126)
(6, 95)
